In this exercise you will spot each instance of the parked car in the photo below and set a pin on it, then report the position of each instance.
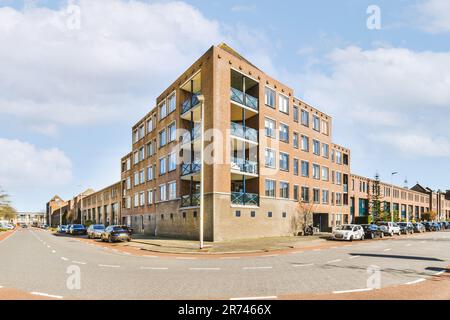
(389, 228)
(77, 229)
(437, 226)
(24, 226)
(62, 229)
(348, 232)
(130, 230)
(447, 225)
(428, 226)
(116, 233)
(406, 227)
(6, 226)
(372, 231)
(69, 226)
(95, 231)
(418, 227)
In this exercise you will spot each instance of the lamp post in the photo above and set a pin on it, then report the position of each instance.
(392, 195)
(201, 98)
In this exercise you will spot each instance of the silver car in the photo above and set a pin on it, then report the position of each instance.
(95, 231)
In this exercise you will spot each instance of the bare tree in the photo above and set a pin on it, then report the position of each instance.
(303, 217)
(7, 212)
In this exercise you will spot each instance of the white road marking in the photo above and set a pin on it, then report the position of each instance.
(386, 250)
(153, 268)
(350, 291)
(148, 256)
(46, 295)
(108, 266)
(416, 281)
(205, 269)
(256, 298)
(53, 251)
(303, 265)
(439, 273)
(333, 261)
(79, 262)
(296, 252)
(64, 258)
(48, 246)
(408, 245)
(354, 257)
(256, 268)
(127, 253)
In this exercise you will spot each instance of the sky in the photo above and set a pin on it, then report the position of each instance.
(76, 75)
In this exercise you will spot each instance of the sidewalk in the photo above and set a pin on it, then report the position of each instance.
(262, 245)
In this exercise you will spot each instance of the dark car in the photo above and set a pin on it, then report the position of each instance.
(95, 231)
(116, 233)
(62, 229)
(68, 228)
(130, 230)
(77, 229)
(419, 227)
(447, 225)
(372, 231)
(429, 226)
(406, 227)
(437, 226)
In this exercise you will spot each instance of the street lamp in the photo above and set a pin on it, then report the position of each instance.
(392, 195)
(201, 98)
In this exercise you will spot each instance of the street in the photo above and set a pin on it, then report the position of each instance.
(35, 262)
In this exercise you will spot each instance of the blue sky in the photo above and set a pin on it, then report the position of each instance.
(69, 96)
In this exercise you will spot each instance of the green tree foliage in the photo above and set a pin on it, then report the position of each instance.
(7, 212)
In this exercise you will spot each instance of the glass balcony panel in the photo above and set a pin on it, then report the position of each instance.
(243, 165)
(190, 168)
(244, 99)
(243, 132)
(244, 199)
(190, 200)
(190, 103)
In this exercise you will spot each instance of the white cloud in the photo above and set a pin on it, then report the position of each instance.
(123, 55)
(434, 15)
(25, 166)
(389, 90)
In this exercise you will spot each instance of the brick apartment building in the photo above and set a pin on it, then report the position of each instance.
(266, 154)
(103, 206)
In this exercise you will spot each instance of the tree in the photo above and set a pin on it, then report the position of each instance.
(375, 205)
(303, 216)
(7, 212)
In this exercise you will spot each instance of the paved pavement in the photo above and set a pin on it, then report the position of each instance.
(36, 263)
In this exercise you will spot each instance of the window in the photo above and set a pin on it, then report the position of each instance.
(128, 203)
(325, 174)
(128, 183)
(238, 213)
(136, 157)
(162, 138)
(284, 133)
(269, 214)
(172, 102)
(270, 188)
(270, 158)
(172, 162)
(338, 178)
(149, 173)
(296, 192)
(295, 139)
(316, 147)
(295, 108)
(338, 199)
(324, 127)
(316, 171)
(149, 149)
(141, 153)
(162, 193)
(283, 104)
(149, 125)
(136, 200)
(162, 110)
(150, 196)
(253, 214)
(172, 132)
(172, 190)
(338, 157)
(305, 169)
(305, 194)
(142, 176)
(136, 179)
(284, 215)
(128, 164)
(305, 118)
(270, 128)
(316, 123)
(305, 143)
(135, 136)
(270, 97)
(284, 190)
(325, 150)
(325, 196)
(284, 161)
(296, 167)
(142, 199)
(162, 166)
(316, 195)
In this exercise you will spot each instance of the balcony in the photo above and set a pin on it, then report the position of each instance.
(188, 169)
(345, 188)
(190, 200)
(243, 132)
(244, 199)
(192, 135)
(244, 166)
(244, 99)
(190, 103)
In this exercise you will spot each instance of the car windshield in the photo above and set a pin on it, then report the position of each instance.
(402, 224)
(346, 227)
(119, 229)
(99, 227)
(77, 226)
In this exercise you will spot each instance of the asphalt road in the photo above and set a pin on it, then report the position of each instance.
(36, 261)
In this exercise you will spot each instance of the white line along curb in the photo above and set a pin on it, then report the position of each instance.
(350, 291)
(256, 298)
(46, 295)
(415, 281)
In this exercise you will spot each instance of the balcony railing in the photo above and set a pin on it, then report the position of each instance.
(244, 199)
(190, 168)
(191, 135)
(243, 132)
(243, 165)
(244, 99)
(190, 200)
(190, 103)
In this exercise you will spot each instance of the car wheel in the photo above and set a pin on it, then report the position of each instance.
(351, 238)
(382, 235)
(362, 237)
(110, 239)
(392, 234)
(372, 236)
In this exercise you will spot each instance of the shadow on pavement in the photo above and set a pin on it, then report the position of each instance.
(391, 256)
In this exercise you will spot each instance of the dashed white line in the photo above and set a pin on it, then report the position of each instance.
(386, 250)
(64, 258)
(108, 266)
(303, 265)
(256, 298)
(256, 268)
(154, 268)
(79, 262)
(53, 251)
(46, 295)
(354, 257)
(439, 273)
(416, 281)
(350, 291)
(204, 269)
(334, 261)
